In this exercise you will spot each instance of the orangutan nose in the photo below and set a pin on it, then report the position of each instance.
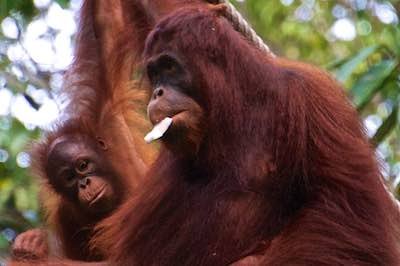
(84, 182)
(158, 92)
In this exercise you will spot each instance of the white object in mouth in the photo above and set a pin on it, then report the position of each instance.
(158, 130)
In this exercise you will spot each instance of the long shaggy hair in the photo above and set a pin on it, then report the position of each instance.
(105, 104)
(284, 163)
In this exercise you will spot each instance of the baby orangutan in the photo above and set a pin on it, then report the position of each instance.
(80, 169)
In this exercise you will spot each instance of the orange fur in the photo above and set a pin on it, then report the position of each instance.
(284, 163)
(103, 102)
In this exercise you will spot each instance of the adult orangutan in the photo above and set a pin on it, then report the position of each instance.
(263, 154)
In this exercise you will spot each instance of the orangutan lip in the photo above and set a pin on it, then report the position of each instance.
(171, 115)
(177, 114)
(98, 195)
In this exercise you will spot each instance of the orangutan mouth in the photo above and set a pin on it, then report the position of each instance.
(98, 195)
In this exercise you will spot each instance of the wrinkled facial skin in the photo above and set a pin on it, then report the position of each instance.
(77, 169)
(173, 95)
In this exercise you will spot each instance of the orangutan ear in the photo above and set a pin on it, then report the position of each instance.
(102, 144)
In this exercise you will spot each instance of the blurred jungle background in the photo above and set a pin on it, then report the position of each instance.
(358, 41)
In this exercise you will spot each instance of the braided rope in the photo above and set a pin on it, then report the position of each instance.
(242, 26)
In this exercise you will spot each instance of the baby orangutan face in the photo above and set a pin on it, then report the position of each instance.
(77, 168)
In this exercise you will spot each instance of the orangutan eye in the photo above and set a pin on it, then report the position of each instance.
(83, 165)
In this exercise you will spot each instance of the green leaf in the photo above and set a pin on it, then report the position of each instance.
(391, 37)
(344, 72)
(371, 82)
(3, 242)
(387, 126)
(335, 63)
(24, 7)
(63, 3)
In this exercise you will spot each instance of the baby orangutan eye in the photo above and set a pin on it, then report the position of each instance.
(83, 165)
